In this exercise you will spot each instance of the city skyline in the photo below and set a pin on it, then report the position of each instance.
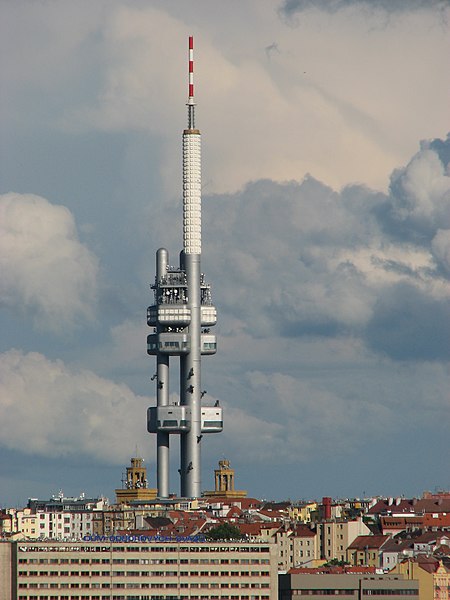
(326, 235)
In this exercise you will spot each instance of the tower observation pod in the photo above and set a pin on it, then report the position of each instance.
(181, 317)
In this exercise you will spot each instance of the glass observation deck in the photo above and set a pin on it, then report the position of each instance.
(177, 419)
(178, 343)
(172, 419)
(170, 342)
(179, 315)
(168, 314)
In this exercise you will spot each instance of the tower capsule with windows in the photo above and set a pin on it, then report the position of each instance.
(182, 315)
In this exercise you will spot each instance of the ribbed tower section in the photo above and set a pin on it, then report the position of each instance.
(181, 316)
(192, 198)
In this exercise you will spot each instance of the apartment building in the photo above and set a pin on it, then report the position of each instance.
(63, 525)
(367, 550)
(297, 546)
(140, 568)
(334, 537)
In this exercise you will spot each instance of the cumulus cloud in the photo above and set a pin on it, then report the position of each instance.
(303, 260)
(420, 195)
(46, 270)
(50, 410)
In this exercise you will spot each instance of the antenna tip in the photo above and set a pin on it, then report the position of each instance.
(191, 69)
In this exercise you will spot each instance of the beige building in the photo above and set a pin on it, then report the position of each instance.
(297, 547)
(433, 576)
(336, 536)
(116, 518)
(138, 568)
(366, 550)
(5, 570)
(20, 521)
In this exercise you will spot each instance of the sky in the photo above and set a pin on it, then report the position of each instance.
(326, 239)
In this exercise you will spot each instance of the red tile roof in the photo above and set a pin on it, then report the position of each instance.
(303, 531)
(411, 506)
(368, 541)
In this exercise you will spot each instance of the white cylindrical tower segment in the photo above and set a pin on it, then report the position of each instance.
(192, 181)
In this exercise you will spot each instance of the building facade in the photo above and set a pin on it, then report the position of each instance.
(346, 586)
(336, 536)
(432, 575)
(139, 568)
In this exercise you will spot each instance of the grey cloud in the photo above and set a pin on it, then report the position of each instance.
(440, 246)
(291, 7)
(442, 148)
(409, 325)
(278, 245)
(301, 260)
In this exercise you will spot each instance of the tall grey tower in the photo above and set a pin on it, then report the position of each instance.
(181, 316)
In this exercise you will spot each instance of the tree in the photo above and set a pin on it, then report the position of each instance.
(334, 562)
(225, 531)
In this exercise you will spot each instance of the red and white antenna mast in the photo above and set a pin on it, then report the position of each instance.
(191, 103)
(192, 204)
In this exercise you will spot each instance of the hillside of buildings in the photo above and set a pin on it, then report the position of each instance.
(408, 537)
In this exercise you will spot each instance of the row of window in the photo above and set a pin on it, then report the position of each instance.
(199, 548)
(143, 561)
(146, 597)
(391, 592)
(332, 592)
(194, 585)
(143, 573)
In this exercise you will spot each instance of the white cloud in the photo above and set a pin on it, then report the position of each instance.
(46, 271)
(303, 260)
(50, 410)
(421, 191)
(343, 98)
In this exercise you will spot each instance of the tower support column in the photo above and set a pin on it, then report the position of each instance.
(190, 443)
(162, 395)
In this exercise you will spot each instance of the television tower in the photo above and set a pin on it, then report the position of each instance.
(181, 316)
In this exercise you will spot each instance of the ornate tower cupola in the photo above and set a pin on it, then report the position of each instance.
(135, 484)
